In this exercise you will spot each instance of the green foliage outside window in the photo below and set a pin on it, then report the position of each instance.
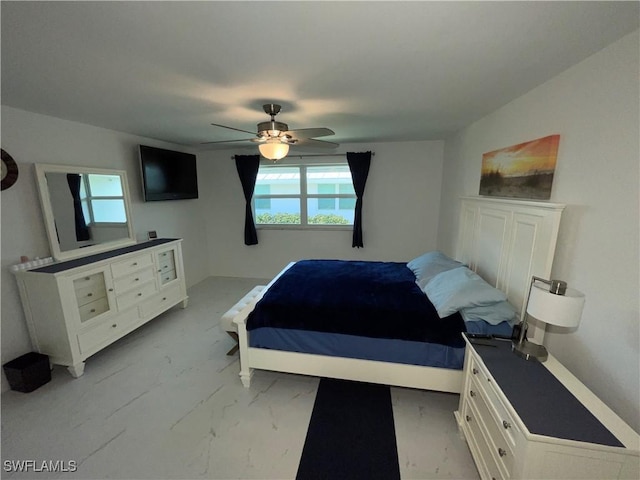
(294, 219)
(328, 219)
(278, 218)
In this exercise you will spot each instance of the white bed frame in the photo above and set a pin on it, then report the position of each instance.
(504, 241)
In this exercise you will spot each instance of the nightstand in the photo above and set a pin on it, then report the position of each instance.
(524, 419)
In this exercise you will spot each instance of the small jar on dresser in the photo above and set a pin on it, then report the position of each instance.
(528, 420)
(78, 307)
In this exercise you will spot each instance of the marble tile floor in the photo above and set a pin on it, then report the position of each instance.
(165, 402)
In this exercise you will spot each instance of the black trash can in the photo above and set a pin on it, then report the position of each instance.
(28, 372)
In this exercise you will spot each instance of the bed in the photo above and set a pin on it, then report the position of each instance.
(502, 242)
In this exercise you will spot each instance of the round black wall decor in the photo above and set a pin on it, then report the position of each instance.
(9, 170)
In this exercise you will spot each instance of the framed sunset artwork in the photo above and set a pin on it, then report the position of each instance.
(522, 171)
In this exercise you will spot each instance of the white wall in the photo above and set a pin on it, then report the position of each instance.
(30, 138)
(400, 213)
(594, 107)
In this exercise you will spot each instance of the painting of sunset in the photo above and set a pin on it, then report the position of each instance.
(523, 171)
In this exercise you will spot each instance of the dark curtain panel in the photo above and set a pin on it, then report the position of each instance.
(247, 166)
(82, 230)
(359, 164)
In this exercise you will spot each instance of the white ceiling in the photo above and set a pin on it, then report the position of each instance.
(370, 71)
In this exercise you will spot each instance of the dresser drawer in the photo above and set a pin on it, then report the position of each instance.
(160, 302)
(508, 427)
(480, 445)
(133, 280)
(89, 288)
(90, 294)
(166, 261)
(135, 296)
(88, 281)
(166, 277)
(93, 309)
(92, 339)
(131, 265)
(497, 442)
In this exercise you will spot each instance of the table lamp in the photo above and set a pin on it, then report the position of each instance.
(554, 304)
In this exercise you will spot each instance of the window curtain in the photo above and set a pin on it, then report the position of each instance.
(82, 230)
(247, 166)
(359, 165)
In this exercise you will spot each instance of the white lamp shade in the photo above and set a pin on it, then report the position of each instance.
(273, 149)
(561, 310)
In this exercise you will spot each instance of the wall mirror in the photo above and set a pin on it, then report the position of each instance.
(86, 210)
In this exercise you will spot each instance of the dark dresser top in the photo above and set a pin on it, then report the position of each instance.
(544, 404)
(79, 262)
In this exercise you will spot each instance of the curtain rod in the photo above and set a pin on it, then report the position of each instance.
(373, 154)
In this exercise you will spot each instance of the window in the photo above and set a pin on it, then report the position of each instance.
(305, 195)
(102, 199)
(263, 203)
(326, 203)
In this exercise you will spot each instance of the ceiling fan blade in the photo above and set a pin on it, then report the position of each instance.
(310, 133)
(310, 142)
(233, 128)
(228, 141)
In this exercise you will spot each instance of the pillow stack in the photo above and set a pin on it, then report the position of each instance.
(452, 287)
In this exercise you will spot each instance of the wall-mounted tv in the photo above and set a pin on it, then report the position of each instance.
(168, 175)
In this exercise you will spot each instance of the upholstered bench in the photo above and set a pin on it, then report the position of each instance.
(240, 310)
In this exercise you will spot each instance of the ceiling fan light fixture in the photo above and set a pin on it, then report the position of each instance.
(273, 149)
(274, 138)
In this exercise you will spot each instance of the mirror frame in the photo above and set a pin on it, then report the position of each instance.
(49, 221)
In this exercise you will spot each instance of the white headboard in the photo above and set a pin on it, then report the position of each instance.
(506, 241)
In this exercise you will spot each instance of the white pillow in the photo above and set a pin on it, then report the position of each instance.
(453, 290)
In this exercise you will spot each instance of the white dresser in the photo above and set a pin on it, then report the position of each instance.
(526, 420)
(78, 307)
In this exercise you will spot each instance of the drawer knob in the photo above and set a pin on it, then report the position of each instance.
(89, 294)
(87, 278)
(137, 279)
(135, 263)
(111, 289)
(502, 452)
(468, 418)
(114, 325)
(506, 424)
(475, 371)
(140, 294)
(93, 310)
(164, 298)
(472, 393)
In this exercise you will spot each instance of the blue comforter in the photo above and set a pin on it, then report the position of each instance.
(371, 299)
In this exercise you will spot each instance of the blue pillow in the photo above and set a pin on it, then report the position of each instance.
(427, 266)
(493, 314)
(483, 328)
(460, 288)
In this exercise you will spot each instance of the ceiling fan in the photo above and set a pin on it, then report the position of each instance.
(274, 138)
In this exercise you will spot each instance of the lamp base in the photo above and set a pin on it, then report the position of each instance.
(529, 350)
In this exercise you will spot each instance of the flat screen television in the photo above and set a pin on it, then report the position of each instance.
(168, 175)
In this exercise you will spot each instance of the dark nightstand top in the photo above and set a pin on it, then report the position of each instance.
(544, 404)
